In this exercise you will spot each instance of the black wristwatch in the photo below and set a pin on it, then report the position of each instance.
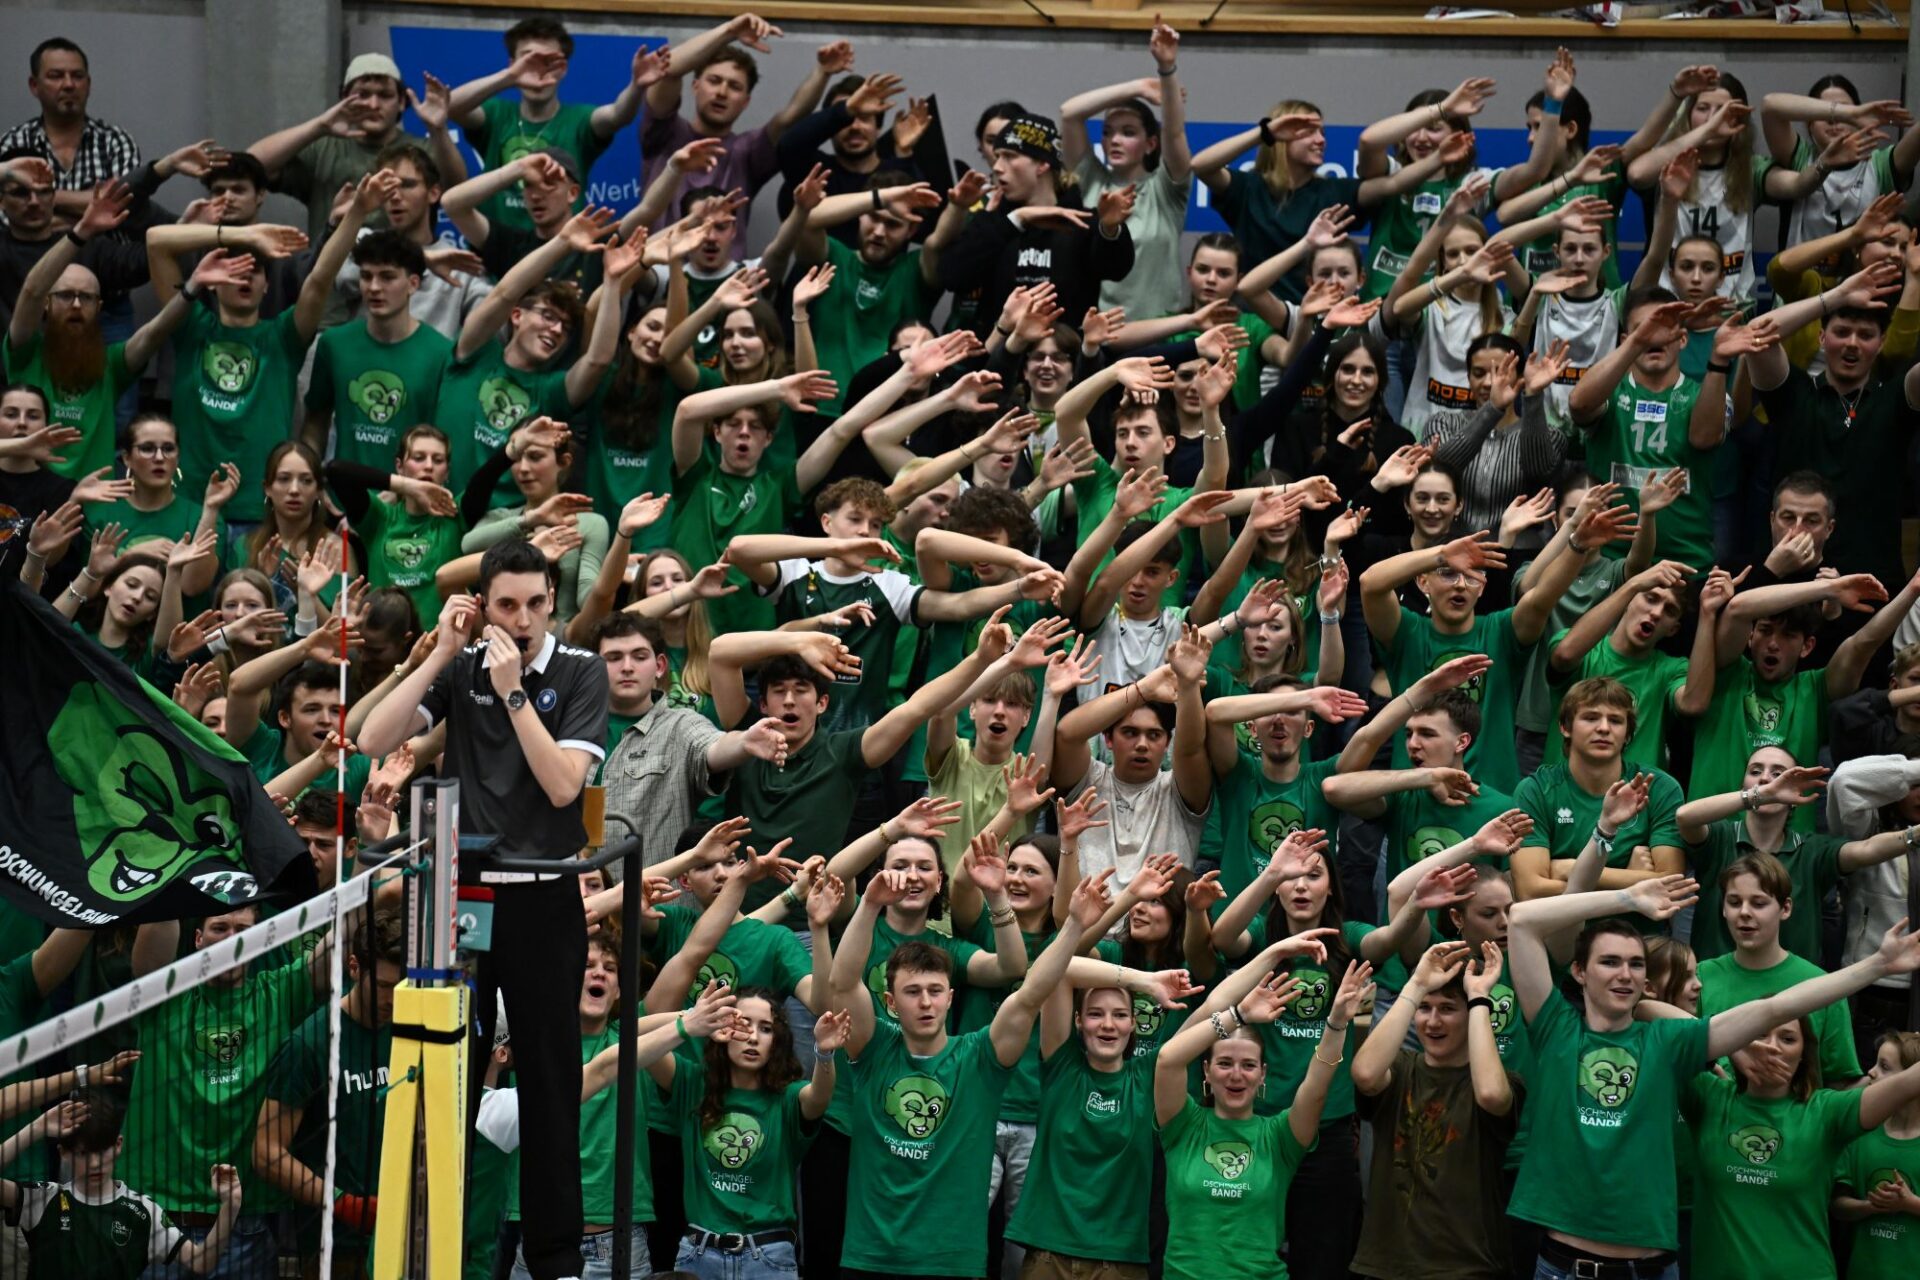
(516, 700)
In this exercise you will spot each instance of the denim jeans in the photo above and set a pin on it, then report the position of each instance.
(769, 1260)
(1544, 1270)
(251, 1253)
(1012, 1153)
(596, 1254)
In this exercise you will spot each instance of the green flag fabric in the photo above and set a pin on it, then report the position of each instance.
(115, 805)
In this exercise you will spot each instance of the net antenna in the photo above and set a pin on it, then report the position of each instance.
(423, 1190)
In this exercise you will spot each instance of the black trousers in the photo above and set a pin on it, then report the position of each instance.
(538, 961)
(1323, 1205)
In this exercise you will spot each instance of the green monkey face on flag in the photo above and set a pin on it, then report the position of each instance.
(121, 807)
(142, 811)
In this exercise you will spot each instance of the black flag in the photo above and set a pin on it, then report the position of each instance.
(115, 805)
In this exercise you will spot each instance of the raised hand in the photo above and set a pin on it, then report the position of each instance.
(1204, 891)
(801, 392)
(1500, 836)
(1024, 777)
(928, 818)
(1356, 988)
(984, 864)
(1624, 800)
(1663, 897)
(1074, 669)
(1441, 964)
(1445, 887)
(812, 285)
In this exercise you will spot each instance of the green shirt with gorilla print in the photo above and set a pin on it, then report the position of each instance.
(740, 1170)
(482, 399)
(1600, 1148)
(921, 1128)
(1762, 1176)
(234, 393)
(376, 391)
(1227, 1194)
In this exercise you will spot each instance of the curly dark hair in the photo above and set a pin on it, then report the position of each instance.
(782, 1067)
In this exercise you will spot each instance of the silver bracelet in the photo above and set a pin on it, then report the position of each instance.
(1330, 619)
(1748, 797)
(80, 1074)
(1234, 618)
(1913, 837)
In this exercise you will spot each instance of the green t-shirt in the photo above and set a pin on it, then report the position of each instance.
(504, 136)
(751, 953)
(1600, 1104)
(1643, 434)
(1747, 713)
(1418, 826)
(739, 1174)
(1762, 1174)
(204, 1070)
(1813, 862)
(853, 320)
(1564, 814)
(1093, 497)
(1226, 1199)
(174, 522)
(1258, 813)
(1400, 223)
(1290, 1040)
(711, 507)
(806, 589)
(617, 474)
(1725, 983)
(1653, 678)
(1417, 648)
(297, 1080)
(1883, 1245)
(597, 1142)
(1247, 362)
(90, 411)
(1021, 1102)
(1591, 585)
(481, 400)
(235, 391)
(810, 800)
(922, 1128)
(376, 391)
(115, 1239)
(404, 550)
(1090, 1174)
(1543, 255)
(267, 758)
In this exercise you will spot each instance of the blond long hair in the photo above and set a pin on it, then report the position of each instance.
(1739, 161)
(692, 676)
(1271, 162)
(1491, 321)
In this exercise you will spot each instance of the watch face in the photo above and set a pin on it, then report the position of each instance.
(517, 699)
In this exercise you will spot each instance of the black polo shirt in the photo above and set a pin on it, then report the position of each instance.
(1862, 453)
(567, 689)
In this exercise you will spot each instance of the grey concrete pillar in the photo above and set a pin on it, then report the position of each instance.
(279, 62)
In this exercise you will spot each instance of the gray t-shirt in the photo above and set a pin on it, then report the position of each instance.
(1157, 285)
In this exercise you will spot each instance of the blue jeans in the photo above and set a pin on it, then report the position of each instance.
(1544, 1270)
(251, 1253)
(775, 1260)
(596, 1254)
(800, 1019)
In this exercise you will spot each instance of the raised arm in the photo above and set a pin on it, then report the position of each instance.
(1899, 953)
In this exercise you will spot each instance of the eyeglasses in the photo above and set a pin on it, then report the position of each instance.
(75, 298)
(156, 449)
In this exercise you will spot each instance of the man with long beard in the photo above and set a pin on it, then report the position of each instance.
(55, 342)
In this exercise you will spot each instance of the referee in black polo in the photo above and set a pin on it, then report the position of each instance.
(526, 724)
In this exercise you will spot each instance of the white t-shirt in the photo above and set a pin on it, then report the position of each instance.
(1439, 393)
(499, 1118)
(1142, 818)
(1130, 649)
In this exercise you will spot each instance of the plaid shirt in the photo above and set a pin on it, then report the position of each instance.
(104, 152)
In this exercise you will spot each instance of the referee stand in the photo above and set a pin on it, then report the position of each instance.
(425, 1150)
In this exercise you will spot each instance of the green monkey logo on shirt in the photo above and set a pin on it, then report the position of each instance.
(229, 366)
(1147, 1017)
(1229, 1159)
(1475, 688)
(1502, 997)
(718, 968)
(1763, 719)
(877, 985)
(1428, 841)
(735, 1141)
(504, 403)
(1881, 1178)
(1758, 1143)
(1272, 823)
(408, 553)
(142, 811)
(222, 1044)
(1315, 992)
(1608, 1074)
(378, 395)
(918, 1104)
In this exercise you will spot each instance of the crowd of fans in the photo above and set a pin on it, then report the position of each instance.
(1068, 673)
